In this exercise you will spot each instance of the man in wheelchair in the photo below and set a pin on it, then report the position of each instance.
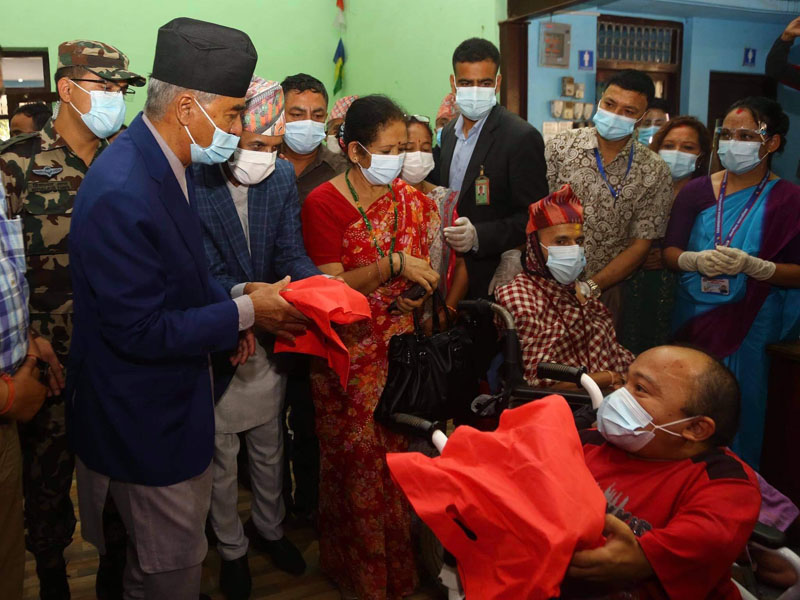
(557, 320)
(681, 506)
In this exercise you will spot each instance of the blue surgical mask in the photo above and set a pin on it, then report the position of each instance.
(646, 134)
(304, 136)
(611, 126)
(681, 164)
(107, 113)
(384, 168)
(439, 136)
(475, 102)
(222, 144)
(565, 262)
(621, 421)
(739, 157)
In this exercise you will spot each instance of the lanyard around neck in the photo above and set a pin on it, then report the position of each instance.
(367, 222)
(718, 241)
(614, 191)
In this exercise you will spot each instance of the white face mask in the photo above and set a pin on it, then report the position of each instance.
(621, 421)
(681, 164)
(251, 167)
(565, 262)
(333, 144)
(475, 102)
(416, 166)
(384, 168)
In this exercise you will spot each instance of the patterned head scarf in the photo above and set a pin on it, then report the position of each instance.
(562, 206)
(448, 108)
(263, 113)
(339, 109)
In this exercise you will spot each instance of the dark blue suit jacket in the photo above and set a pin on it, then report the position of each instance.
(273, 214)
(147, 314)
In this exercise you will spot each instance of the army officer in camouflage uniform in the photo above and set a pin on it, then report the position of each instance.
(41, 173)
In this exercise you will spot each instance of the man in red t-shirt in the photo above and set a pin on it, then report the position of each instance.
(680, 505)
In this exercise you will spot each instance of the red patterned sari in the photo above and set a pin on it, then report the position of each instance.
(364, 519)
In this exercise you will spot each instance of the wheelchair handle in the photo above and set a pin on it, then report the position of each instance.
(438, 438)
(484, 307)
(576, 375)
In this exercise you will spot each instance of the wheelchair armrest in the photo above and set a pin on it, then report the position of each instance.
(767, 536)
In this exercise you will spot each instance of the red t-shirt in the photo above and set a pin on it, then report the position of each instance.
(692, 517)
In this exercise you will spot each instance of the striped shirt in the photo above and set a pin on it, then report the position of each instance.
(13, 292)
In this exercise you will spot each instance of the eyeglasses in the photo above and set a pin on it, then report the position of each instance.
(742, 135)
(420, 118)
(108, 86)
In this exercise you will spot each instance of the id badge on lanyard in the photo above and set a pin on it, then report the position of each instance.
(722, 285)
(482, 190)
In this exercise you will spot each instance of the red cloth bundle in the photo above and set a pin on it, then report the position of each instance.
(324, 301)
(511, 505)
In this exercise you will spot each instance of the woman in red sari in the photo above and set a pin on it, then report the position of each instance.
(374, 231)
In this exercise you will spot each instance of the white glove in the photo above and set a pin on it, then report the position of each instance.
(462, 236)
(704, 261)
(732, 261)
(510, 266)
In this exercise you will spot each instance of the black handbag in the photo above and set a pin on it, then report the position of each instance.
(431, 377)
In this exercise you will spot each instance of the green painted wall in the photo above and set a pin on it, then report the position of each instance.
(398, 47)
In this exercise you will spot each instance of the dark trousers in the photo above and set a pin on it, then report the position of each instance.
(301, 447)
(48, 464)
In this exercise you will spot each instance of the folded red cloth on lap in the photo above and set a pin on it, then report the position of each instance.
(511, 505)
(324, 301)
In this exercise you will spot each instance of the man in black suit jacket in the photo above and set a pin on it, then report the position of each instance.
(487, 140)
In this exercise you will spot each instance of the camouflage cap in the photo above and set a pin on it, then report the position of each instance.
(101, 59)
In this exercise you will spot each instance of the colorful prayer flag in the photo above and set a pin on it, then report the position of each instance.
(338, 56)
(338, 70)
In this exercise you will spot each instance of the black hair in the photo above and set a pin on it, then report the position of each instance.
(412, 120)
(658, 104)
(367, 116)
(716, 394)
(72, 72)
(635, 81)
(303, 83)
(38, 111)
(476, 50)
(767, 111)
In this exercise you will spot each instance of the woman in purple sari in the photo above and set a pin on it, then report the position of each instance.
(735, 238)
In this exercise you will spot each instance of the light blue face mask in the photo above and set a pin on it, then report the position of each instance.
(681, 164)
(611, 126)
(475, 102)
(646, 134)
(439, 136)
(304, 136)
(107, 113)
(621, 421)
(221, 148)
(565, 262)
(738, 156)
(384, 168)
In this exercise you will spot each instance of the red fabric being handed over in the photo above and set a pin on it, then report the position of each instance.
(325, 301)
(511, 505)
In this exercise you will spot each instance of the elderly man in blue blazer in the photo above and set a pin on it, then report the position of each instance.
(251, 232)
(139, 395)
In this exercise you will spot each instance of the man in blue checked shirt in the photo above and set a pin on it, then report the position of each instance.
(251, 229)
(21, 396)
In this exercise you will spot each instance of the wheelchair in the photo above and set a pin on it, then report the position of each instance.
(514, 391)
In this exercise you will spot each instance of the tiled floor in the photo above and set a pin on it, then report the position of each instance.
(268, 582)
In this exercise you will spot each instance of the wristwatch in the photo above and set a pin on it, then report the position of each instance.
(594, 289)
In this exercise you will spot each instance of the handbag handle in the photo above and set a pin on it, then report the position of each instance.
(438, 303)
